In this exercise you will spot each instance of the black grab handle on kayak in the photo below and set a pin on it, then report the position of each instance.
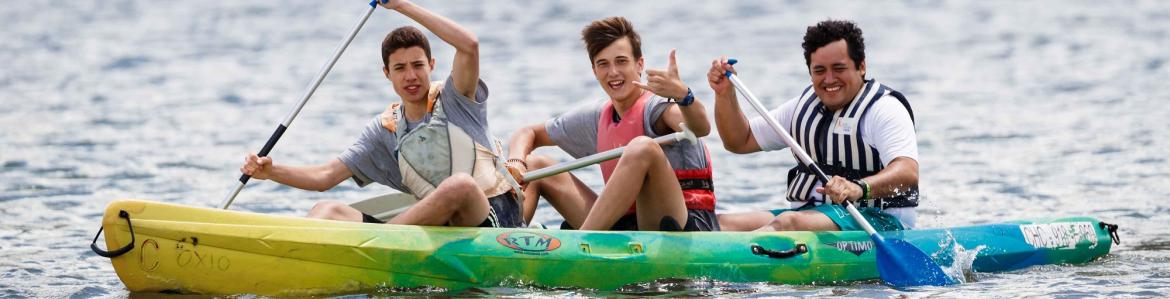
(760, 250)
(120, 251)
(1112, 229)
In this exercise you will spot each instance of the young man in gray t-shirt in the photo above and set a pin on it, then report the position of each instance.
(407, 63)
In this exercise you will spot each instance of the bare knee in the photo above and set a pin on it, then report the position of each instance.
(642, 147)
(453, 193)
(535, 162)
(459, 183)
(786, 221)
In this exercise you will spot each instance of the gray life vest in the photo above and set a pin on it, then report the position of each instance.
(437, 149)
(834, 142)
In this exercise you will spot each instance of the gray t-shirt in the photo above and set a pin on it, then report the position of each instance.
(575, 132)
(372, 157)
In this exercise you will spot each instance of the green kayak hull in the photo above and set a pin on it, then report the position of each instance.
(210, 251)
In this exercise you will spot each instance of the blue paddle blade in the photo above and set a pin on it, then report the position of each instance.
(900, 264)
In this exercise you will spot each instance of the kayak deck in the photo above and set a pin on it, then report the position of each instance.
(211, 251)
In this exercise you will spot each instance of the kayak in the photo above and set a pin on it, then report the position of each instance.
(160, 247)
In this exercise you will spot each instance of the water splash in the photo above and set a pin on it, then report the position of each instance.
(958, 261)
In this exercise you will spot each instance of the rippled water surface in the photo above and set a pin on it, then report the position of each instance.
(1024, 110)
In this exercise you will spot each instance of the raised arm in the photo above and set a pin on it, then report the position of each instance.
(729, 119)
(465, 69)
(666, 83)
(315, 177)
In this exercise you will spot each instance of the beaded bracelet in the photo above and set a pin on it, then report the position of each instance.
(519, 161)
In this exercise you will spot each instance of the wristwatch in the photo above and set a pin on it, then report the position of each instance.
(864, 188)
(687, 100)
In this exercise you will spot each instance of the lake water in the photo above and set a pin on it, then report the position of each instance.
(1024, 110)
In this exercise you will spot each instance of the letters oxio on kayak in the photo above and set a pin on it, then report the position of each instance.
(211, 251)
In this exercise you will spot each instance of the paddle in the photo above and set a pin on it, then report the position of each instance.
(304, 99)
(387, 206)
(899, 263)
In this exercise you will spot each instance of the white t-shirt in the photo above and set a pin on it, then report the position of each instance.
(888, 128)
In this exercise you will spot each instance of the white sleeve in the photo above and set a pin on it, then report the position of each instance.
(767, 137)
(891, 131)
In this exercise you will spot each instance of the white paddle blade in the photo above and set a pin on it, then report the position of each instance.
(385, 206)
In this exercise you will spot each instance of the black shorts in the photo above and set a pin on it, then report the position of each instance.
(697, 221)
(503, 211)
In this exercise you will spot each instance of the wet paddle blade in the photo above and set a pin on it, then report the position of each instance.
(900, 264)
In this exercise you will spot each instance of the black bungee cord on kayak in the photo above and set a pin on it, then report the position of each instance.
(1112, 229)
(119, 251)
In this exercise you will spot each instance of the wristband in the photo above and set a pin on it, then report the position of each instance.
(864, 188)
(687, 100)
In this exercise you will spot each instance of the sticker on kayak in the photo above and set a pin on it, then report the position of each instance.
(529, 242)
(1059, 235)
(854, 247)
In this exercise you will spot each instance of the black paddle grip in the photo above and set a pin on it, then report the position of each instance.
(267, 148)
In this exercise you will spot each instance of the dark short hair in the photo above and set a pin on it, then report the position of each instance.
(604, 32)
(402, 38)
(829, 31)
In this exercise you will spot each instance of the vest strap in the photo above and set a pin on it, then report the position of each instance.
(696, 184)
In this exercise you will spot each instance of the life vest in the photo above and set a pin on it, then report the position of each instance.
(437, 149)
(698, 189)
(834, 142)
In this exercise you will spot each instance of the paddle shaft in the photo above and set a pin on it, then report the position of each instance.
(227, 202)
(795, 147)
(686, 134)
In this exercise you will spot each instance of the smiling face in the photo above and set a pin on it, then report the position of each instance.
(409, 71)
(835, 77)
(615, 68)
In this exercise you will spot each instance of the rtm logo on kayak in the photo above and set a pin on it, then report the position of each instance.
(529, 242)
(854, 247)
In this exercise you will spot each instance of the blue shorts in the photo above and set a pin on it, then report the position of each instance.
(881, 221)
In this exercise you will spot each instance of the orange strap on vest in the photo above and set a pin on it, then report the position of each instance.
(390, 116)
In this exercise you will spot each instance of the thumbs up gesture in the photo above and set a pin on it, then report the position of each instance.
(665, 83)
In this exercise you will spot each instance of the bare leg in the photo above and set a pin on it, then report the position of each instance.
(643, 175)
(744, 221)
(335, 210)
(457, 201)
(800, 221)
(564, 192)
